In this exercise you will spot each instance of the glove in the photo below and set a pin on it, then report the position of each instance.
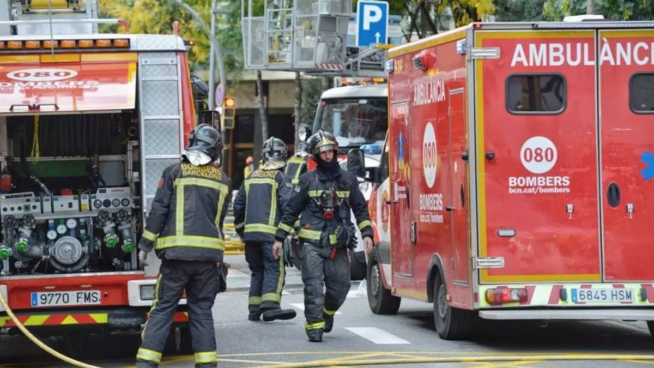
(288, 253)
(145, 247)
(346, 236)
(142, 257)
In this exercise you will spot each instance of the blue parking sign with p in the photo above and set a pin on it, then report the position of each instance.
(372, 22)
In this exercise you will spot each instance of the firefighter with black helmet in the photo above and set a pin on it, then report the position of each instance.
(185, 228)
(257, 211)
(324, 197)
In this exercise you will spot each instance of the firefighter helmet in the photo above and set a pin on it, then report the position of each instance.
(274, 149)
(322, 142)
(206, 139)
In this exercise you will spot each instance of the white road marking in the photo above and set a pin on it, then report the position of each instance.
(300, 306)
(379, 337)
(284, 292)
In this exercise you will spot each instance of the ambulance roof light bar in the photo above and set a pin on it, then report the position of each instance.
(583, 17)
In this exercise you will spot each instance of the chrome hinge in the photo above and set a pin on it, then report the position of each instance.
(488, 262)
(484, 53)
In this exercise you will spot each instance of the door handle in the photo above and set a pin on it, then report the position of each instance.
(449, 208)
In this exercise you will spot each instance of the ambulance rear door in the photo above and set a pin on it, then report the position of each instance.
(626, 80)
(536, 131)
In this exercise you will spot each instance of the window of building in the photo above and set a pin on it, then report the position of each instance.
(536, 94)
(641, 93)
(243, 132)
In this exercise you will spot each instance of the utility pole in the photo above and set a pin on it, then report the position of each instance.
(215, 52)
(212, 38)
(589, 7)
(212, 62)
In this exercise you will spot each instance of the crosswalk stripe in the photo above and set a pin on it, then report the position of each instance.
(379, 337)
(300, 306)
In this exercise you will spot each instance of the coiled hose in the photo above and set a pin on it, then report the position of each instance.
(38, 342)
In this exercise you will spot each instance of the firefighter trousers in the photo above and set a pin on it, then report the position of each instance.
(267, 279)
(202, 282)
(316, 267)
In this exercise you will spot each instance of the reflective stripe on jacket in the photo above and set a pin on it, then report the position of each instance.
(295, 167)
(313, 226)
(259, 203)
(188, 211)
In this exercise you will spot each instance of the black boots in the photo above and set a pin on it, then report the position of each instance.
(329, 322)
(315, 335)
(278, 314)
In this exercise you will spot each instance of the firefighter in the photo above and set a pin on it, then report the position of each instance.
(249, 167)
(325, 197)
(296, 166)
(185, 226)
(257, 212)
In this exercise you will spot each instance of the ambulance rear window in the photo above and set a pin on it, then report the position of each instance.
(536, 94)
(641, 93)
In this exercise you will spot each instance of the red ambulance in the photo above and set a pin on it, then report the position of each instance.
(515, 182)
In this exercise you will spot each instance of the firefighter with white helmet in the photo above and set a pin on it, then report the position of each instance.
(185, 228)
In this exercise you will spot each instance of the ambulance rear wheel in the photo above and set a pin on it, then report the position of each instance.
(380, 299)
(451, 323)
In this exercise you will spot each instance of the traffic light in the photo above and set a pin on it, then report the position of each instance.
(229, 113)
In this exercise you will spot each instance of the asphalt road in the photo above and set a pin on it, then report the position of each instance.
(359, 336)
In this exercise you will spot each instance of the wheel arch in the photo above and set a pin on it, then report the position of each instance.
(435, 267)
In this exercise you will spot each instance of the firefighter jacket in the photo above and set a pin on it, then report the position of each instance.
(259, 203)
(188, 211)
(312, 219)
(295, 167)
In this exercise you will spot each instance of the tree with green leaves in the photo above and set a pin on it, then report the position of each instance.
(611, 9)
(556, 10)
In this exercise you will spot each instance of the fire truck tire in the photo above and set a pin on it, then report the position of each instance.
(451, 323)
(185, 343)
(380, 299)
(171, 343)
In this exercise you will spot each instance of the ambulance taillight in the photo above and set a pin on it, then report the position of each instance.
(505, 295)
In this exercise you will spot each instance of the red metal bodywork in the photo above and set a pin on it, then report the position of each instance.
(427, 138)
(117, 71)
(568, 236)
(113, 287)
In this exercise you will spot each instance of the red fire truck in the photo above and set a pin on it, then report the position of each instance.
(102, 115)
(516, 176)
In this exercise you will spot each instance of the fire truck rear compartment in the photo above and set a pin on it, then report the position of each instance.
(69, 200)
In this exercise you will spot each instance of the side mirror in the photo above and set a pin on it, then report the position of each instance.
(374, 174)
(356, 162)
(305, 132)
(212, 118)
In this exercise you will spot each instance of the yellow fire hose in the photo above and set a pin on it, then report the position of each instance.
(38, 342)
(343, 362)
